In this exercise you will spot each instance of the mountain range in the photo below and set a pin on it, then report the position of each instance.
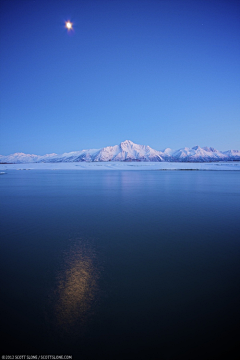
(128, 151)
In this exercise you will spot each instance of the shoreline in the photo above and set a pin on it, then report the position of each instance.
(143, 166)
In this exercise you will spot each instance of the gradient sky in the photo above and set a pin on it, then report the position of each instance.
(160, 73)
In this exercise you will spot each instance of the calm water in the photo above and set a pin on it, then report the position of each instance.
(120, 265)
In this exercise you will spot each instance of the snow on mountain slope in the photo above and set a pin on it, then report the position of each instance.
(73, 156)
(232, 154)
(128, 151)
(19, 158)
(199, 154)
(167, 152)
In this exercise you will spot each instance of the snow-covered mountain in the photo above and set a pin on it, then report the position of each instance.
(129, 151)
(19, 158)
(198, 154)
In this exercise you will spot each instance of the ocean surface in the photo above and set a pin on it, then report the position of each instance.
(120, 264)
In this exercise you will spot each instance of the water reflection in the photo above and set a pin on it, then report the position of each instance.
(77, 285)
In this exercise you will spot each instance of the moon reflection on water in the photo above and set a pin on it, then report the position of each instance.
(76, 289)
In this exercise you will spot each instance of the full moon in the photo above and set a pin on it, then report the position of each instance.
(69, 25)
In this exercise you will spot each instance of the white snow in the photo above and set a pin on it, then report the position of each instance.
(128, 151)
(115, 165)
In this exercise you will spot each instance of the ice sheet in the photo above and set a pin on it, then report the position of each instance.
(123, 166)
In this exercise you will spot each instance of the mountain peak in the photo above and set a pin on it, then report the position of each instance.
(209, 149)
(127, 142)
(127, 145)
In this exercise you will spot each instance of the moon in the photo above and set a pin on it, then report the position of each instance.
(69, 25)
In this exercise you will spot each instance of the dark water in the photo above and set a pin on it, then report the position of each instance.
(120, 264)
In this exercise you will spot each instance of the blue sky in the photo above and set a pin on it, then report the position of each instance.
(159, 73)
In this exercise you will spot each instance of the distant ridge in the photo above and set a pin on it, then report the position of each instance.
(128, 151)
